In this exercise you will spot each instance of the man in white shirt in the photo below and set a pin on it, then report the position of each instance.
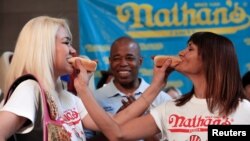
(125, 61)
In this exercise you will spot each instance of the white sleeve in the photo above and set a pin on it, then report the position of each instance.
(24, 101)
(159, 117)
(155, 112)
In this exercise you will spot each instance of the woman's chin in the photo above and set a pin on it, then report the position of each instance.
(177, 68)
(70, 70)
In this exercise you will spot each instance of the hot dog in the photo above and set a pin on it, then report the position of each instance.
(89, 65)
(160, 59)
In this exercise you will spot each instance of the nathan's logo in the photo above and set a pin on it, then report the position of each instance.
(144, 21)
(195, 124)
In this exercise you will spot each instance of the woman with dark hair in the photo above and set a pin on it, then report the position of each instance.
(218, 70)
(217, 97)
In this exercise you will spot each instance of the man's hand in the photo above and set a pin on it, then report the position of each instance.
(125, 104)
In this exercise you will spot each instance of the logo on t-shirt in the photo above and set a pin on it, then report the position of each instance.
(71, 117)
(178, 123)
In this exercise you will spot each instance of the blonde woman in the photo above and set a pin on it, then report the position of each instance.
(43, 49)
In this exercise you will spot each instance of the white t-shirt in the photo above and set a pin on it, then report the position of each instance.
(25, 101)
(192, 119)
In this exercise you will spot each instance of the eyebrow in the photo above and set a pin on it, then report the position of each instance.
(67, 38)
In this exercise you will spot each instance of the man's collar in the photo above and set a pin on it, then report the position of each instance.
(143, 85)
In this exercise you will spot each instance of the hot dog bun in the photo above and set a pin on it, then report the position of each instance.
(160, 59)
(89, 65)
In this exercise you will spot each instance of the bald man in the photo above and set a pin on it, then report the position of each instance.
(125, 61)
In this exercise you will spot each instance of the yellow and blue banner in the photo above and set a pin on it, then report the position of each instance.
(161, 27)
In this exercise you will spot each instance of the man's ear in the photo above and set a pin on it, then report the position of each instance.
(141, 60)
(109, 60)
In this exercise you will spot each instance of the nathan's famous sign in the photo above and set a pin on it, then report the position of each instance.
(161, 27)
(231, 18)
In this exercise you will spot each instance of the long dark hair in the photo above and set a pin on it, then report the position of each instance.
(224, 87)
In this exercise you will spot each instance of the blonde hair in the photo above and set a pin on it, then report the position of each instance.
(35, 52)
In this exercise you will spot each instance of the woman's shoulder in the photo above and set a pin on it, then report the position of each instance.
(27, 85)
(243, 108)
(244, 104)
(242, 114)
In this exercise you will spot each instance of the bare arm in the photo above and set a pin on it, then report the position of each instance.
(139, 128)
(116, 129)
(9, 124)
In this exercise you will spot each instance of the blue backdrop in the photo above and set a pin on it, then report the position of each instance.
(161, 27)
